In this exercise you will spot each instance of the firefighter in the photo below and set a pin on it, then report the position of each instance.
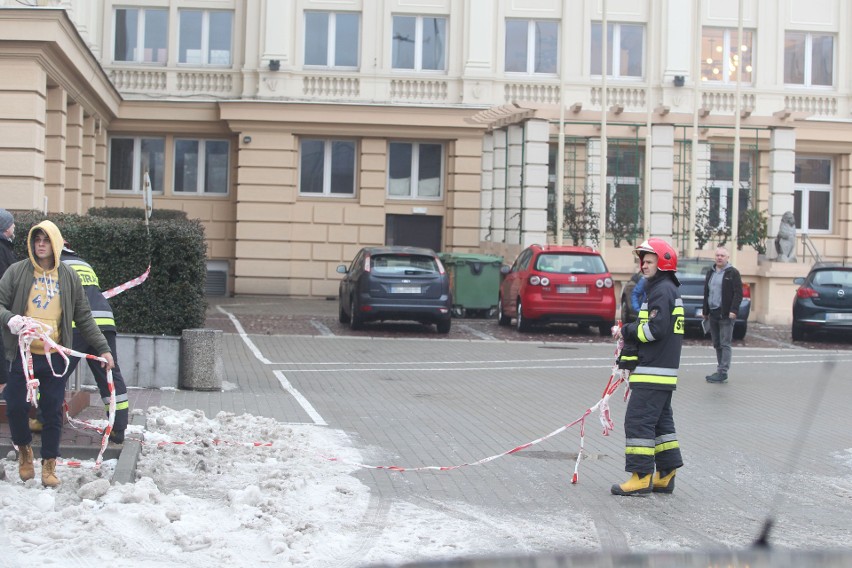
(652, 450)
(102, 312)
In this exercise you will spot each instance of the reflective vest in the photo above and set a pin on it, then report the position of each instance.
(101, 310)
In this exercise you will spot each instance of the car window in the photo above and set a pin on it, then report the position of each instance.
(694, 269)
(403, 264)
(833, 278)
(523, 261)
(570, 263)
(356, 262)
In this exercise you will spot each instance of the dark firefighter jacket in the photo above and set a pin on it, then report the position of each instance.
(101, 310)
(658, 333)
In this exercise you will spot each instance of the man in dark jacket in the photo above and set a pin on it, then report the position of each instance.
(652, 451)
(7, 259)
(723, 294)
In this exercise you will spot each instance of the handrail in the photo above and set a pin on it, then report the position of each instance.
(809, 247)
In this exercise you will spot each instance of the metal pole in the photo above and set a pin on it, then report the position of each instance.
(560, 152)
(604, 110)
(735, 191)
(696, 100)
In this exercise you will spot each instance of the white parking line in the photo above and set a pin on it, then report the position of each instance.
(303, 402)
(476, 332)
(322, 328)
(244, 336)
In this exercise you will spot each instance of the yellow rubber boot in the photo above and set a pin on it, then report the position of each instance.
(664, 481)
(25, 463)
(636, 485)
(35, 425)
(48, 473)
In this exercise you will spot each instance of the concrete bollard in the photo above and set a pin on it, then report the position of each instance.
(201, 365)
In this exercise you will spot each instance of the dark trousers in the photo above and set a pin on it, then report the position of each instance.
(649, 431)
(100, 374)
(4, 367)
(51, 399)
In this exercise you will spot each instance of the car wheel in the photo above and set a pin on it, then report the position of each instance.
(342, 317)
(798, 332)
(444, 326)
(522, 323)
(501, 317)
(606, 329)
(625, 312)
(356, 321)
(740, 330)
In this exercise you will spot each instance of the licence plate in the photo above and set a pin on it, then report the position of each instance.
(699, 312)
(405, 289)
(838, 317)
(571, 289)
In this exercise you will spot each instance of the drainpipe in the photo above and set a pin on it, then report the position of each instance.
(735, 198)
(696, 100)
(604, 110)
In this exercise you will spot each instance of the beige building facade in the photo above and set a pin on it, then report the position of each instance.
(300, 131)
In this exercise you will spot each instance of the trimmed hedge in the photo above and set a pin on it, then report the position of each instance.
(171, 299)
(137, 213)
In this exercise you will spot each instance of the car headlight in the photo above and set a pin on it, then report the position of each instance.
(545, 281)
(535, 280)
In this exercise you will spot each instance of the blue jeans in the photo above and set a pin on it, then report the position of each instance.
(722, 331)
(51, 399)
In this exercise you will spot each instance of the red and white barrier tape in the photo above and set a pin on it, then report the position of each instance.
(32, 330)
(127, 285)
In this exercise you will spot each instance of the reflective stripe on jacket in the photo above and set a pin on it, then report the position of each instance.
(101, 310)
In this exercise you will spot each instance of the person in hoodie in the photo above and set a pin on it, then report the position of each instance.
(7, 258)
(49, 292)
(102, 312)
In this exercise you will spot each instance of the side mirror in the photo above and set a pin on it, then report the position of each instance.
(341, 269)
(505, 269)
(799, 281)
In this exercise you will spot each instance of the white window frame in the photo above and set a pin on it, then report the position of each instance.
(418, 42)
(808, 63)
(331, 45)
(414, 170)
(205, 38)
(327, 165)
(141, 20)
(806, 188)
(614, 54)
(531, 51)
(200, 168)
(137, 164)
(613, 182)
(725, 72)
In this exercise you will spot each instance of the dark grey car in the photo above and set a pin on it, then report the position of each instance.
(823, 301)
(395, 283)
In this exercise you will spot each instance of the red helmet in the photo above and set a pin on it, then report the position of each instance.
(666, 255)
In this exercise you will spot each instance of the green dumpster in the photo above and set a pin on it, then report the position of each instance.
(474, 282)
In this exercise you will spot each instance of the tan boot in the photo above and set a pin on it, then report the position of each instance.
(636, 485)
(25, 463)
(48, 473)
(664, 481)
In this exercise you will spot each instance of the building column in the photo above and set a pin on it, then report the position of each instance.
(486, 188)
(23, 92)
(514, 168)
(73, 160)
(87, 189)
(593, 177)
(782, 181)
(662, 180)
(534, 183)
(55, 152)
(498, 202)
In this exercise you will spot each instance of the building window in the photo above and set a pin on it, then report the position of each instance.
(624, 47)
(532, 46)
(205, 37)
(141, 35)
(812, 195)
(808, 59)
(624, 190)
(415, 170)
(720, 186)
(419, 43)
(327, 167)
(131, 158)
(722, 54)
(331, 39)
(201, 166)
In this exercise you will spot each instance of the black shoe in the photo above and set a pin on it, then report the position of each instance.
(116, 436)
(718, 378)
(712, 378)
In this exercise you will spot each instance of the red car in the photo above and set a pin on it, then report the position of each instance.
(549, 283)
